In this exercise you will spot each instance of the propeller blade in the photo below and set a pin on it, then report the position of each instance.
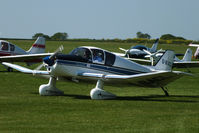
(147, 52)
(57, 51)
(125, 50)
(39, 67)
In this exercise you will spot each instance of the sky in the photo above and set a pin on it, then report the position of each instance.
(98, 19)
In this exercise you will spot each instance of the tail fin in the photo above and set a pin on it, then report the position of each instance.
(188, 55)
(196, 54)
(38, 46)
(166, 61)
(155, 45)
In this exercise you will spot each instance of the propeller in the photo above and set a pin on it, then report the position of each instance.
(152, 56)
(61, 48)
(50, 57)
(126, 52)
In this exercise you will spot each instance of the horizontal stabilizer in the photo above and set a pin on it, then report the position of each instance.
(186, 64)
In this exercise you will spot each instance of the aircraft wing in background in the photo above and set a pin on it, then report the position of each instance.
(24, 58)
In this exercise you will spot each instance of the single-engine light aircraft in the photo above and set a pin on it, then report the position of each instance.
(12, 53)
(139, 51)
(95, 64)
(185, 62)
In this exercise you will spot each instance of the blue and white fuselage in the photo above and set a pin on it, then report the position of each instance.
(91, 63)
(110, 63)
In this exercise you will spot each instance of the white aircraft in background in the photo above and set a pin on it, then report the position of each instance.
(12, 53)
(196, 54)
(138, 51)
(185, 62)
(101, 66)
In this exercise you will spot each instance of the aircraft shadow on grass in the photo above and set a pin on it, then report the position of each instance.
(153, 98)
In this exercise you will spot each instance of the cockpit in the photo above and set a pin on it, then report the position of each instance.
(140, 47)
(94, 55)
(5, 46)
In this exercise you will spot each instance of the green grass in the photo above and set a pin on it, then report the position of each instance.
(136, 109)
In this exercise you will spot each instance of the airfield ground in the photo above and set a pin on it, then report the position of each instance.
(135, 110)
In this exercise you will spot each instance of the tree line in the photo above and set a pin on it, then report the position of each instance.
(61, 36)
(140, 38)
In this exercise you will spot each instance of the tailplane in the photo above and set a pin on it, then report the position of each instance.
(154, 47)
(165, 63)
(38, 46)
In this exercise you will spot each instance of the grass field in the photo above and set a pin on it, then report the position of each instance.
(135, 110)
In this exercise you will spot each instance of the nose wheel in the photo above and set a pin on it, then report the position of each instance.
(50, 88)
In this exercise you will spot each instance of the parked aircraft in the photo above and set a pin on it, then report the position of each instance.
(138, 51)
(196, 54)
(12, 53)
(185, 62)
(82, 64)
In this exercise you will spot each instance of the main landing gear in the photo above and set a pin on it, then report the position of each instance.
(98, 93)
(50, 88)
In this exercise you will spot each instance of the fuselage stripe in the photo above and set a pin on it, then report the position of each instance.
(38, 45)
(110, 69)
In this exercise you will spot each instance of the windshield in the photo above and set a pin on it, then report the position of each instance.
(82, 52)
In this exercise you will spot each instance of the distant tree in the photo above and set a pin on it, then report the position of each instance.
(139, 34)
(147, 36)
(59, 36)
(170, 37)
(142, 35)
(40, 35)
(167, 37)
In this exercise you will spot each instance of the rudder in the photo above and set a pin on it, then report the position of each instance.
(166, 61)
(155, 45)
(38, 46)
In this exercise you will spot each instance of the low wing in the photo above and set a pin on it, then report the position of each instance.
(25, 70)
(152, 79)
(186, 64)
(24, 58)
